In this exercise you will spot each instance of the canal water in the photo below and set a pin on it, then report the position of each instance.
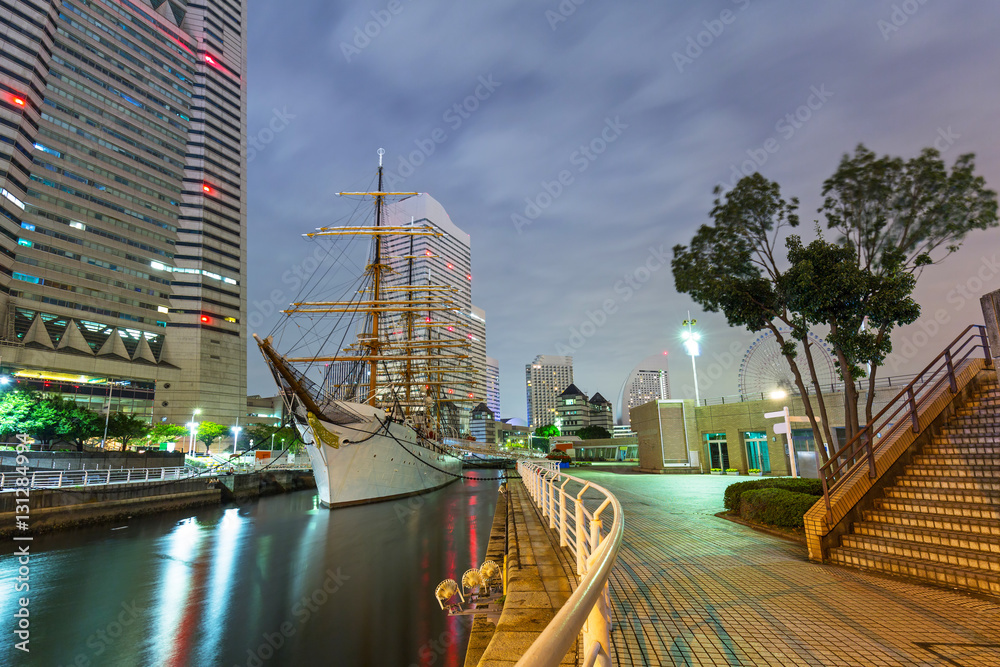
(278, 581)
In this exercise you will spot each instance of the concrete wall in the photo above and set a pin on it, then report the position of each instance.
(667, 434)
(93, 460)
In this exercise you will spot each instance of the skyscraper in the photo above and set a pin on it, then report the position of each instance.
(443, 262)
(123, 175)
(647, 382)
(493, 386)
(545, 378)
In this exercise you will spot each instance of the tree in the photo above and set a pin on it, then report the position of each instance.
(77, 423)
(893, 218)
(15, 411)
(125, 428)
(549, 431)
(209, 432)
(899, 217)
(733, 267)
(593, 433)
(163, 432)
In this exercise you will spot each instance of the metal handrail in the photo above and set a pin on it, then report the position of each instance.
(57, 479)
(907, 403)
(588, 609)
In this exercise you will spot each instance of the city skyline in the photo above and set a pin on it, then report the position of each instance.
(581, 265)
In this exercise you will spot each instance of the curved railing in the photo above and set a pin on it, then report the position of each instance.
(580, 530)
(901, 412)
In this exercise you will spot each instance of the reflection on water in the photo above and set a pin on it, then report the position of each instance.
(278, 581)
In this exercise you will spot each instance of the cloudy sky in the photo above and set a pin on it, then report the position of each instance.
(641, 108)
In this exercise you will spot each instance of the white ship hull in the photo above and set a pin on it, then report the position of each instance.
(370, 465)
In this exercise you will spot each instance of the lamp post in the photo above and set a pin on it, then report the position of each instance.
(691, 338)
(236, 435)
(107, 413)
(193, 425)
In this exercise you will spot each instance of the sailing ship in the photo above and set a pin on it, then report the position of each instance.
(373, 424)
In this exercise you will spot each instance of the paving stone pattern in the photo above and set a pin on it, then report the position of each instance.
(693, 589)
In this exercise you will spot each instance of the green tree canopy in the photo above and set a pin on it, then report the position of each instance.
(209, 432)
(164, 432)
(549, 431)
(593, 433)
(16, 406)
(125, 428)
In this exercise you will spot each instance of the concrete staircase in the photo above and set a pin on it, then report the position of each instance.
(940, 521)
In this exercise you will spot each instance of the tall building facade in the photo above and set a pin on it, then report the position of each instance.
(123, 208)
(647, 382)
(545, 378)
(443, 262)
(493, 386)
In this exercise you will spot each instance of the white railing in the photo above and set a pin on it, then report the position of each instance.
(55, 479)
(581, 531)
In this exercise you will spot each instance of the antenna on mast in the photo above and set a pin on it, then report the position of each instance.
(381, 152)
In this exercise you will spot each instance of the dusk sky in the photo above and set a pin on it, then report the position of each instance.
(644, 108)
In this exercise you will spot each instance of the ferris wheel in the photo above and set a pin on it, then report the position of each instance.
(764, 368)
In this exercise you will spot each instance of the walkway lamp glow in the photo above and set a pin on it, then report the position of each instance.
(193, 425)
(691, 338)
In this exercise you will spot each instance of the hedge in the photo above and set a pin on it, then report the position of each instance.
(775, 507)
(794, 484)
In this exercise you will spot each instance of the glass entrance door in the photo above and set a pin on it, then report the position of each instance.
(718, 450)
(756, 444)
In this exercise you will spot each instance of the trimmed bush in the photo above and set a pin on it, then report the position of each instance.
(797, 485)
(775, 507)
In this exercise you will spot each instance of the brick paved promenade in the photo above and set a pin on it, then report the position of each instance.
(693, 589)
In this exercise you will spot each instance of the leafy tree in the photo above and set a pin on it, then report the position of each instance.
(15, 411)
(77, 423)
(209, 432)
(593, 433)
(899, 217)
(125, 428)
(893, 218)
(550, 431)
(163, 432)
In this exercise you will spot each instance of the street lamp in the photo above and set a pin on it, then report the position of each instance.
(193, 425)
(236, 436)
(691, 338)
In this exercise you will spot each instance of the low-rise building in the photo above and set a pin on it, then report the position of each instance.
(483, 425)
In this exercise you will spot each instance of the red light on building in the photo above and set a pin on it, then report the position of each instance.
(204, 318)
(427, 252)
(664, 353)
(451, 391)
(19, 101)
(451, 328)
(207, 189)
(470, 395)
(428, 319)
(469, 276)
(450, 265)
(210, 60)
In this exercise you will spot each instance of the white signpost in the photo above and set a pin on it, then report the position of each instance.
(785, 428)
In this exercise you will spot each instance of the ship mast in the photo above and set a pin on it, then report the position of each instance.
(376, 269)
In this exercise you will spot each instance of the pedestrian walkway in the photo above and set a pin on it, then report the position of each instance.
(693, 589)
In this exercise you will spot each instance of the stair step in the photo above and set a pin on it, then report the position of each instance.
(973, 435)
(963, 460)
(923, 521)
(949, 449)
(942, 482)
(940, 508)
(937, 470)
(945, 575)
(932, 553)
(935, 494)
(955, 539)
